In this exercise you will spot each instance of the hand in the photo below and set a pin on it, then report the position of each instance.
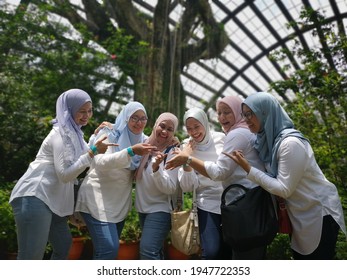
(239, 158)
(189, 147)
(101, 146)
(157, 161)
(101, 126)
(179, 159)
(142, 149)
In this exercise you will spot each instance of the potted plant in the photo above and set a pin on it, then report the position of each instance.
(79, 237)
(129, 243)
(8, 234)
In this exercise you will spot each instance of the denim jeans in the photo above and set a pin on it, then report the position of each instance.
(105, 237)
(155, 228)
(36, 225)
(210, 234)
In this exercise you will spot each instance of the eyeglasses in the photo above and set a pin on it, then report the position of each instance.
(136, 119)
(248, 115)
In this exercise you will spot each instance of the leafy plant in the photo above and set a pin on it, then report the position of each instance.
(131, 231)
(8, 235)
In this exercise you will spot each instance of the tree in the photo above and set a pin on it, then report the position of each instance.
(37, 64)
(320, 87)
(164, 49)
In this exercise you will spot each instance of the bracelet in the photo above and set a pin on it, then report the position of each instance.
(130, 152)
(94, 150)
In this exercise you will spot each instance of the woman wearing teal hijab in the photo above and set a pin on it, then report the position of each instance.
(312, 201)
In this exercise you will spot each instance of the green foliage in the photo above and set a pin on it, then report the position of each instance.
(41, 58)
(279, 249)
(8, 235)
(131, 230)
(320, 104)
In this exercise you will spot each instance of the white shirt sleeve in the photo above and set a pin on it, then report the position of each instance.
(70, 173)
(225, 167)
(292, 159)
(119, 159)
(166, 180)
(188, 180)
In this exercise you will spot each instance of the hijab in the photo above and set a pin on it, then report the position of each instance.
(67, 105)
(153, 140)
(234, 103)
(201, 117)
(122, 135)
(275, 125)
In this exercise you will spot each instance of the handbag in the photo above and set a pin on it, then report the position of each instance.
(284, 223)
(185, 228)
(248, 217)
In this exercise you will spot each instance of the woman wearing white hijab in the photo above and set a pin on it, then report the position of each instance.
(207, 146)
(43, 197)
(238, 136)
(313, 203)
(104, 198)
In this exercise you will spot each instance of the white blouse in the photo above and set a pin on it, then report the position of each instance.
(309, 195)
(156, 192)
(208, 192)
(105, 192)
(47, 177)
(225, 169)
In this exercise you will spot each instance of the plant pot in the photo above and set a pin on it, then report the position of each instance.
(174, 254)
(76, 248)
(128, 250)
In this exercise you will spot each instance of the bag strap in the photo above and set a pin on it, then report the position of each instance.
(231, 187)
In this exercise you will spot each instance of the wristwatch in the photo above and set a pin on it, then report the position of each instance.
(189, 160)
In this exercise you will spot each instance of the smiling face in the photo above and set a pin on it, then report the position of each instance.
(84, 113)
(137, 122)
(164, 131)
(225, 116)
(251, 119)
(195, 129)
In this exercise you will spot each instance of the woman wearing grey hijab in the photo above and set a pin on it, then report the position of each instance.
(43, 197)
(292, 173)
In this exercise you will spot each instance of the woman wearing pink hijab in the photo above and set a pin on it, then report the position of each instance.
(238, 137)
(156, 189)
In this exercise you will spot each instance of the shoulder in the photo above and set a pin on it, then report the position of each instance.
(217, 136)
(293, 146)
(243, 133)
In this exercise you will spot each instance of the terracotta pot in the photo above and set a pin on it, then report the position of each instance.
(76, 248)
(128, 250)
(174, 254)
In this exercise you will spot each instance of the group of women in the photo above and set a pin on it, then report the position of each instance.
(259, 146)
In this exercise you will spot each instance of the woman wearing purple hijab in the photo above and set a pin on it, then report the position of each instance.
(43, 197)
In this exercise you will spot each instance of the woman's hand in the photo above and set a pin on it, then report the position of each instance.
(179, 159)
(142, 149)
(157, 161)
(101, 126)
(101, 146)
(239, 158)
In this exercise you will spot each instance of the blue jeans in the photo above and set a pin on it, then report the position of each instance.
(155, 228)
(105, 237)
(36, 225)
(210, 234)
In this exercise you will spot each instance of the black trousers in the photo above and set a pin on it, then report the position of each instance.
(327, 244)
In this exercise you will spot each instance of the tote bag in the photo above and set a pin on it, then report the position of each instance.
(248, 217)
(185, 229)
